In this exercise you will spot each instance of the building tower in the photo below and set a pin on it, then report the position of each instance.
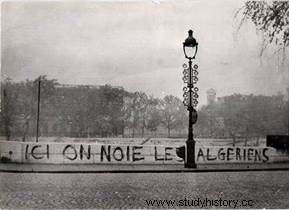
(211, 96)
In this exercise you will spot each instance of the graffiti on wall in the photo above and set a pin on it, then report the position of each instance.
(102, 153)
(233, 154)
(78, 153)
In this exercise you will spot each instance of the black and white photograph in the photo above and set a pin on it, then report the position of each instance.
(144, 104)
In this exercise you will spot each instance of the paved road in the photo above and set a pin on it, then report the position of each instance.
(269, 189)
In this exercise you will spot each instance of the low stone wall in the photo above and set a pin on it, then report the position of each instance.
(93, 153)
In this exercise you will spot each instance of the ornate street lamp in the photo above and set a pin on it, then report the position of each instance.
(190, 47)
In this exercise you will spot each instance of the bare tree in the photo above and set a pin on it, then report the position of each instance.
(270, 18)
(173, 113)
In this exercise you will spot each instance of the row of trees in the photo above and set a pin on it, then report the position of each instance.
(245, 116)
(89, 111)
(85, 111)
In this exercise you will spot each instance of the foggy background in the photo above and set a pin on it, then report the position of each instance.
(138, 45)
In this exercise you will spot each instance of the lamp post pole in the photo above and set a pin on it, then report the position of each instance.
(190, 97)
(190, 143)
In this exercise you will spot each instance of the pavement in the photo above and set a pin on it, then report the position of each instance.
(114, 186)
(264, 189)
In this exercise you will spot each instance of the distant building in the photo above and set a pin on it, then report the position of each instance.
(211, 96)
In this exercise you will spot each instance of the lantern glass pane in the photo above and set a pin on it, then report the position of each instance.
(190, 51)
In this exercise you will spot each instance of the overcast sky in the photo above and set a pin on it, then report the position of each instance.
(138, 45)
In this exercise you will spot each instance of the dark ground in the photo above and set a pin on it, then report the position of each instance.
(267, 189)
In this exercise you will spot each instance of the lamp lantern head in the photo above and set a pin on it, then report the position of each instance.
(190, 46)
